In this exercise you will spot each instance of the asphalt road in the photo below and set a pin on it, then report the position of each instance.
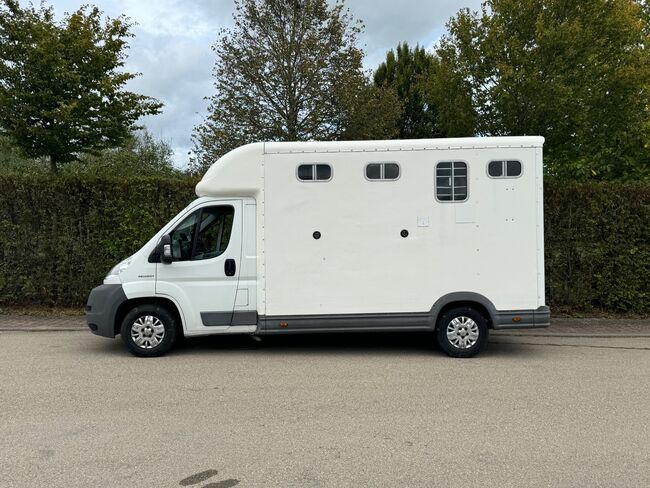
(78, 411)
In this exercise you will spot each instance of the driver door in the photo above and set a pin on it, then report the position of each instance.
(204, 272)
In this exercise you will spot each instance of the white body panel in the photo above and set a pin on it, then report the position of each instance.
(490, 244)
(361, 264)
(196, 286)
(202, 286)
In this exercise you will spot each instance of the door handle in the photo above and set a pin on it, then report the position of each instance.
(229, 267)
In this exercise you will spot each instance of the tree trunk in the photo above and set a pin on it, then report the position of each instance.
(54, 165)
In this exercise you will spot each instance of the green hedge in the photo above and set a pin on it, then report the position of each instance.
(59, 237)
(597, 246)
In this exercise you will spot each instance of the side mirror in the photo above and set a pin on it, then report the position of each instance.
(166, 249)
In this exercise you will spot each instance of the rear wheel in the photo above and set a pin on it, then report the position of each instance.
(149, 330)
(462, 332)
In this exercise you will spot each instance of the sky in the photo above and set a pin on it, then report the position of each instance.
(173, 38)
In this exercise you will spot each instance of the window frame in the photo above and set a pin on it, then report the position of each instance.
(504, 168)
(382, 171)
(197, 229)
(315, 172)
(435, 180)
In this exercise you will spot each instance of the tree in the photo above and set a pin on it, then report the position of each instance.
(61, 87)
(373, 113)
(576, 73)
(406, 71)
(288, 70)
(138, 155)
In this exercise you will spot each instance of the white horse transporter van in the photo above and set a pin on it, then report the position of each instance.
(440, 235)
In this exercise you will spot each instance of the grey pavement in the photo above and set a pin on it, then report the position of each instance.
(39, 323)
(77, 410)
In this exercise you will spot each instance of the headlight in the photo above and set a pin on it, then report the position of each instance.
(119, 267)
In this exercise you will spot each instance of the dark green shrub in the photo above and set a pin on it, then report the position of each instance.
(597, 238)
(60, 236)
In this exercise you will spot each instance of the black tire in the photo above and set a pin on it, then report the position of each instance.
(461, 348)
(150, 347)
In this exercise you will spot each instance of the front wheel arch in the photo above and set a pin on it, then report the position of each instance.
(129, 305)
(149, 330)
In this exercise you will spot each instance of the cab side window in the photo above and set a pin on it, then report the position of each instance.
(183, 237)
(204, 234)
(213, 234)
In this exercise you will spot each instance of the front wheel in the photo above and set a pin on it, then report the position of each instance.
(462, 332)
(148, 330)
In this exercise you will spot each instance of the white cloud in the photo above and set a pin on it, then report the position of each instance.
(173, 38)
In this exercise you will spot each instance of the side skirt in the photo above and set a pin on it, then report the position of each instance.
(388, 322)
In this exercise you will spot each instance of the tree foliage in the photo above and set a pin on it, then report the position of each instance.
(61, 83)
(576, 73)
(372, 112)
(288, 70)
(139, 155)
(406, 71)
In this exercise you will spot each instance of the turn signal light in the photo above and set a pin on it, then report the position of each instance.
(516, 318)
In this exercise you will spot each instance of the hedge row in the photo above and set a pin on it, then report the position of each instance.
(597, 246)
(59, 237)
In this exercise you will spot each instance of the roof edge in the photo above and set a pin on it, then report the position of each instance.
(402, 144)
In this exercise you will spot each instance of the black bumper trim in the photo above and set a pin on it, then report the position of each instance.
(523, 319)
(101, 309)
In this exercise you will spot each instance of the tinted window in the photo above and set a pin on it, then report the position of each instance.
(306, 172)
(504, 169)
(495, 169)
(391, 171)
(314, 172)
(373, 171)
(382, 171)
(443, 181)
(323, 171)
(451, 181)
(183, 236)
(204, 234)
(513, 168)
(213, 234)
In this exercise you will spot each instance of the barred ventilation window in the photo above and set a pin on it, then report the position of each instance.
(382, 171)
(451, 181)
(314, 172)
(504, 169)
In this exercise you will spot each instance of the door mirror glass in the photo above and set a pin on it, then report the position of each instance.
(166, 249)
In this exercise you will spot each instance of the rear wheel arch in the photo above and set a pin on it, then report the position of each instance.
(472, 300)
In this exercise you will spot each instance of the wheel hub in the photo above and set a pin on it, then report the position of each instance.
(462, 332)
(147, 331)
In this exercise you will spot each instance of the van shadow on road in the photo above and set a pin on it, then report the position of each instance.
(395, 344)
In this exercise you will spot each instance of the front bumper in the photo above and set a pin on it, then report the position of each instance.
(522, 319)
(101, 309)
